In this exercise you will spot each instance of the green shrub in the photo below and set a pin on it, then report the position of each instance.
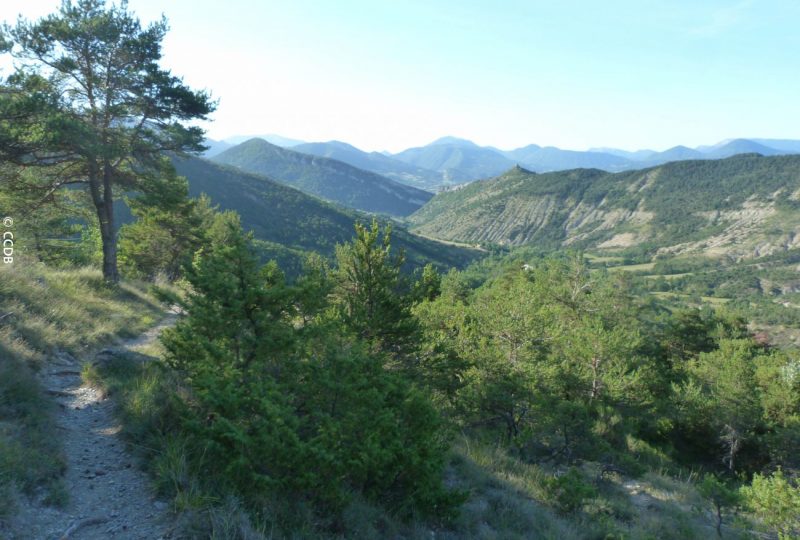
(568, 492)
(720, 496)
(308, 412)
(776, 501)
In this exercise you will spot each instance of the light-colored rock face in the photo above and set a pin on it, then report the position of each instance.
(620, 240)
(516, 218)
(646, 182)
(517, 221)
(586, 220)
(742, 237)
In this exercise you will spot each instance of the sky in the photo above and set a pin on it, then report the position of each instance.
(388, 75)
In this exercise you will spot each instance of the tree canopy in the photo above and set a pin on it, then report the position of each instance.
(89, 105)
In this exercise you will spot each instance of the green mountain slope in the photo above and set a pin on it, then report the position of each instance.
(376, 162)
(326, 178)
(743, 206)
(289, 222)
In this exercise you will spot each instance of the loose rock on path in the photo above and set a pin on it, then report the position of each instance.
(109, 497)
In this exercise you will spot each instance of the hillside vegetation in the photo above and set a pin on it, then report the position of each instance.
(583, 409)
(742, 206)
(289, 224)
(327, 178)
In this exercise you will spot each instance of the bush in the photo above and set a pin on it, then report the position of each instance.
(776, 501)
(720, 496)
(569, 491)
(308, 411)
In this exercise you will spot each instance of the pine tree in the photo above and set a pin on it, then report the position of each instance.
(368, 292)
(238, 311)
(307, 409)
(90, 107)
(169, 229)
(429, 284)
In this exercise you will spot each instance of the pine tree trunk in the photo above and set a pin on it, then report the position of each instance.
(104, 204)
(110, 272)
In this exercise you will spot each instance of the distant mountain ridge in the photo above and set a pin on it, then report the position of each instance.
(785, 145)
(451, 160)
(272, 138)
(457, 160)
(553, 159)
(375, 162)
(548, 159)
(327, 178)
(742, 206)
(741, 146)
(215, 147)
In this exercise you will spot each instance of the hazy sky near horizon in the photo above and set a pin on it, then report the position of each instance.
(387, 75)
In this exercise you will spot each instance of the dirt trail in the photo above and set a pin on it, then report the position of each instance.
(109, 497)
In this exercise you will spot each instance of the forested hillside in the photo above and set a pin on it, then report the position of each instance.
(326, 178)
(289, 224)
(743, 206)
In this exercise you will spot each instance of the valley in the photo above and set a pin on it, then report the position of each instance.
(290, 224)
(300, 334)
(691, 234)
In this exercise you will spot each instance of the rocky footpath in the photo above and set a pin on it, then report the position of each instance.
(109, 496)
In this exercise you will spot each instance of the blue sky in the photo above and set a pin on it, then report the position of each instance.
(575, 74)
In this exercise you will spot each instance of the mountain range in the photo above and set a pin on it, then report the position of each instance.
(742, 206)
(463, 160)
(457, 160)
(715, 199)
(449, 160)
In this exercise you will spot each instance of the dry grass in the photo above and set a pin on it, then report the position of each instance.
(68, 310)
(632, 267)
(509, 499)
(46, 313)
